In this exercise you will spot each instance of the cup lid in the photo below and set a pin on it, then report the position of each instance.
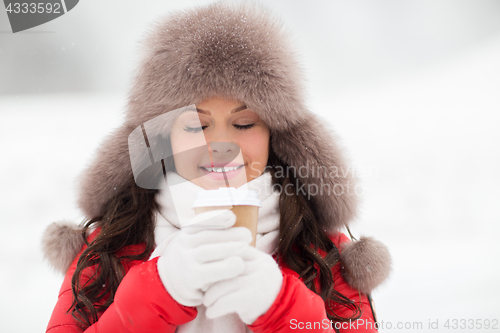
(226, 196)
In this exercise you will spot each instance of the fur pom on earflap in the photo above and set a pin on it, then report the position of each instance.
(366, 263)
(61, 243)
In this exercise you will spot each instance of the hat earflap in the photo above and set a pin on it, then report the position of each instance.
(61, 243)
(366, 263)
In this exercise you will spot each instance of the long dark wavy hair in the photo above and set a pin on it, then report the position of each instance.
(129, 220)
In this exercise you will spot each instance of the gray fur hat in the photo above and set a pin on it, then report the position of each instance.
(240, 52)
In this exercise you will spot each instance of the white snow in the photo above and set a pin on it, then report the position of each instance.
(428, 143)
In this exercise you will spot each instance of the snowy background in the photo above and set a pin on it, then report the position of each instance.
(411, 88)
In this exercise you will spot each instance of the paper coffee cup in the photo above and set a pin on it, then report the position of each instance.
(244, 203)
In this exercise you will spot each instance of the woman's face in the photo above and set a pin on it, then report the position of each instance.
(221, 133)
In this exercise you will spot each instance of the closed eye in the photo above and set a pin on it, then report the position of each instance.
(199, 129)
(244, 127)
(194, 129)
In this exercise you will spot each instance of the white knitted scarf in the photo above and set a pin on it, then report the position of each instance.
(175, 210)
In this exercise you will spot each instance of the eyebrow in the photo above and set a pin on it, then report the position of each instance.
(239, 108)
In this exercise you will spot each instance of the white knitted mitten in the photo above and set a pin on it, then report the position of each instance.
(202, 253)
(251, 293)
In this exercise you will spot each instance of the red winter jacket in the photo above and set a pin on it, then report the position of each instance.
(142, 304)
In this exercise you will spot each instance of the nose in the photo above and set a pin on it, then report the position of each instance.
(224, 151)
(222, 147)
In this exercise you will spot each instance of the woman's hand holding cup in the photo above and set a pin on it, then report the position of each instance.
(251, 293)
(202, 253)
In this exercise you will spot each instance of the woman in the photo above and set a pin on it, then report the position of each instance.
(223, 74)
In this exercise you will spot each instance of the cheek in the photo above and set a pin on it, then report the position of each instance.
(178, 145)
(256, 147)
(182, 141)
(183, 148)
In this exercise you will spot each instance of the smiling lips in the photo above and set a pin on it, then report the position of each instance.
(217, 172)
(222, 169)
